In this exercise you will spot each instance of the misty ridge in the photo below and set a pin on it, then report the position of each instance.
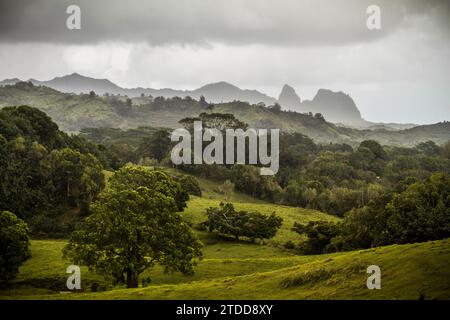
(335, 107)
(95, 106)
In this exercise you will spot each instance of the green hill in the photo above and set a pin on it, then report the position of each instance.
(72, 112)
(409, 271)
(44, 273)
(243, 270)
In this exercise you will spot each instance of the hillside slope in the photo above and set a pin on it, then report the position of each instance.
(410, 271)
(73, 112)
(243, 270)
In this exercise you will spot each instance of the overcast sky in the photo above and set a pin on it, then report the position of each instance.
(400, 73)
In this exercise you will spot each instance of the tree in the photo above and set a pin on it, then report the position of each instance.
(220, 121)
(319, 233)
(203, 102)
(375, 147)
(276, 108)
(129, 102)
(132, 177)
(421, 212)
(446, 149)
(429, 148)
(14, 245)
(319, 116)
(190, 185)
(130, 230)
(254, 225)
(158, 145)
(78, 177)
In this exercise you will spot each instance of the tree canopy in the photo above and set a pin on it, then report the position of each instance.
(14, 245)
(133, 226)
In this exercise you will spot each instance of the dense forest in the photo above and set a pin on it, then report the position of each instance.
(369, 185)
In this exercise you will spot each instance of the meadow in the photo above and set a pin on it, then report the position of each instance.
(243, 270)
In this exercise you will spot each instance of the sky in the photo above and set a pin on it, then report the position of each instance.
(399, 73)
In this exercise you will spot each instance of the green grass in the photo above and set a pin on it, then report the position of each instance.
(195, 213)
(242, 270)
(45, 272)
(407, 272)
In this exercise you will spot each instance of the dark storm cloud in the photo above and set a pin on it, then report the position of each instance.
(270, 22)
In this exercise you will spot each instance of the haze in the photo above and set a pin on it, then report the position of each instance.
(400, 73)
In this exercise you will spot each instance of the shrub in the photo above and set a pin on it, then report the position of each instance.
(14, 245)
(254, 225)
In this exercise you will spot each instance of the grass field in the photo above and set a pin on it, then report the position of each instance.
(410, 271)
(242, 270)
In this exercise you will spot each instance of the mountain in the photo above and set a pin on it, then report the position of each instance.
(7, 82)
(77, 83)
(336, 107)
(288, 98)
(72, 112)
(214, 92)
(225, 92)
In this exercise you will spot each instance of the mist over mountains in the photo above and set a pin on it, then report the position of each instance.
(74, 112)
(336, 107)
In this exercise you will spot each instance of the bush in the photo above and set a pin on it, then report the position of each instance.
(289, 245)
(254, 225)
(319, 233)
(14, 245)
(190, 185)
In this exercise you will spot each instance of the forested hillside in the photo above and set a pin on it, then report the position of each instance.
(73, 112)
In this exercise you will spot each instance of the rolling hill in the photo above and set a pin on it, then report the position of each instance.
(244, 270)
(72, 112)
(334, 106)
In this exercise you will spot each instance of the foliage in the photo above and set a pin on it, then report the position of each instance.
(73, 112)
(189, 184)
(131, 177)
(254, 225)
(14, 245)
(157, 147)
(133, 226)
(43, 171)
(319, 235)
(419, 213)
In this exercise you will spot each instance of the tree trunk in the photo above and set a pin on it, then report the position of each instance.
(132, 279)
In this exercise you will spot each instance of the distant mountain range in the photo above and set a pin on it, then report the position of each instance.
(336, 107)
(73, 112)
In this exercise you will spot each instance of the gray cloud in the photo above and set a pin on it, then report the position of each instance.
(237, 22)
(396, 74)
